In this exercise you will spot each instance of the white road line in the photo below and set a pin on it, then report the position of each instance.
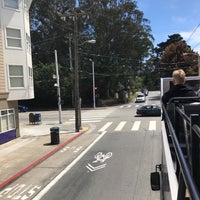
(120, 126)
(152, 125)
(57, 178)
(136, 126)
(84, 121)
(87, 119)
(91, 168)
(94, 115)
(93, 118)
(105, 127)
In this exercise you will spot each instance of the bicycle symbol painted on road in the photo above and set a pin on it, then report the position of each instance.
(99, 157)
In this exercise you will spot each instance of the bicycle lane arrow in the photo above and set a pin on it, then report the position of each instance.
(92, 168)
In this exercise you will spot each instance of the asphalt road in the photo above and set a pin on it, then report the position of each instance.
(118, 163)
(112, 160)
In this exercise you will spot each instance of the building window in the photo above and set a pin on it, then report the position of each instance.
(11, 4)
(16, 76)
(13, 37)
(7, 120)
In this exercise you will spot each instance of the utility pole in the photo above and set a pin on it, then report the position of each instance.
(58, 87)
(93, 84)
(71, 67)
(76, 77)
(70, 52)
(198, 64)
(77, 99)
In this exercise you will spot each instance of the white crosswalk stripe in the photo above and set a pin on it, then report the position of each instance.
(152, 125)
(137, 125)
(120, 126)
(127, 106)
(93, 115)
(130, 105)
(105, 127)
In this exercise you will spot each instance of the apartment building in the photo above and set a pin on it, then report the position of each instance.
(16, 74)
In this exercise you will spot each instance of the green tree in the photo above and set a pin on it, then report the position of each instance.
(48, 33)
(123, 39)
(171, 55)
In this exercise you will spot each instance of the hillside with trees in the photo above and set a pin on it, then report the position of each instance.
(123, 40)
(124, 56)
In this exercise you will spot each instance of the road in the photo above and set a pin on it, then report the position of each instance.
(112, 160)
(119, 164)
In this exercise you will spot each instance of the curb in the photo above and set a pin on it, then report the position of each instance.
(33, 164)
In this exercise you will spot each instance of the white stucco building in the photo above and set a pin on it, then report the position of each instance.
(16, 74)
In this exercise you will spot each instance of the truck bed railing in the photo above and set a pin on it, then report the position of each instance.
(189, 164)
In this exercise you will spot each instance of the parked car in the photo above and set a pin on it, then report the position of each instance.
(140, 98)
(149, 110)
(22, 108)
(145, 91)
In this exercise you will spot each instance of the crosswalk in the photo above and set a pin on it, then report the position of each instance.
(152, 125)
(130, 105)
(96, 116)
(136, 126)
(120, 126)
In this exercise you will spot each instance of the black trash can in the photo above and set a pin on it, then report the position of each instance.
(55, 137)
(31, 118)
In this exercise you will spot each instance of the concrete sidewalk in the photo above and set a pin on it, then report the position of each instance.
(22, 154)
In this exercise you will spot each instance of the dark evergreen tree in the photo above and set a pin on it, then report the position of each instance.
(123, 39)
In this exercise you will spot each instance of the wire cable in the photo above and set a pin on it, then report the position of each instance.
(193, 33)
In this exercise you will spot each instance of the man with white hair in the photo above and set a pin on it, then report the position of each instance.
(179, 88)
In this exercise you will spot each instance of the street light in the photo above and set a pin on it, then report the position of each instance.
(58, 87)
(185, 54)
(93, 84)
(88, 41)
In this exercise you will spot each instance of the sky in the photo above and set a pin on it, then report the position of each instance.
(168, 17)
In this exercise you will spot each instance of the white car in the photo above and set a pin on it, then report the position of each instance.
(140, 98)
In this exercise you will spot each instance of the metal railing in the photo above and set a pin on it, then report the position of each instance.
(189, 176)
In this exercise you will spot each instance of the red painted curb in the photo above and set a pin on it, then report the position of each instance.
(33, 164)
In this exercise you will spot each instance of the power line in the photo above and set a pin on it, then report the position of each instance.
(193, 33)
(196, 45)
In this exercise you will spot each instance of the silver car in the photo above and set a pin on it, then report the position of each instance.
(140, 98)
